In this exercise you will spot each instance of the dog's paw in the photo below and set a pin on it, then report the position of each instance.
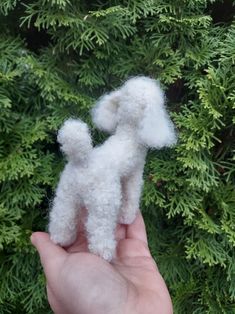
(106, 250)
(63, 238)
(127, 218)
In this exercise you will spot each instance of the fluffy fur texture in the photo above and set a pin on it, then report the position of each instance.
(107, 179)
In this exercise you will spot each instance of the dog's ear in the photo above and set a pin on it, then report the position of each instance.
(104, 114)
(156, 130)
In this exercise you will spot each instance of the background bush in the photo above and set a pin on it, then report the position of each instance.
(56, 57)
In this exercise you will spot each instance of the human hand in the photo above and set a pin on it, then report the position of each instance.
(79, 282)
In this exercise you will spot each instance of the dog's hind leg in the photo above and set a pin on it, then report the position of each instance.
(101, 223)
(64, 215)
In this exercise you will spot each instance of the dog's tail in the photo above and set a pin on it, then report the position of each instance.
(75, 140)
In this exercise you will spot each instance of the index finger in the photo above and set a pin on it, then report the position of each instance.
(51, 255)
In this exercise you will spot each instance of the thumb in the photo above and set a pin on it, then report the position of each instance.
(51, 255)
(137, 230)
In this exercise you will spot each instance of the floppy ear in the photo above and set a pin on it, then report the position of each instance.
(156, 130)
(104, 114)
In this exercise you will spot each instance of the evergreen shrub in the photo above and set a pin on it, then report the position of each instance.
(56, 58)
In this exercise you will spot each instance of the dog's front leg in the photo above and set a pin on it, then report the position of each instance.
(131, 191)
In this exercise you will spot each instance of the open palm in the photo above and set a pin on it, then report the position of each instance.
(82, 283)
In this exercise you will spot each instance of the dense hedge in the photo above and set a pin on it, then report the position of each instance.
(56, 57)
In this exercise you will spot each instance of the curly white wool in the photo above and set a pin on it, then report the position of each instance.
(107, 179)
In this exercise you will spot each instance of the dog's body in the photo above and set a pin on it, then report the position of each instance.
(107, 179)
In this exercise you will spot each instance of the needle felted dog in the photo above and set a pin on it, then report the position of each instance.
(107, 179)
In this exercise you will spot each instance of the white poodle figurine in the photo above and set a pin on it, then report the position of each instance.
(107, 179)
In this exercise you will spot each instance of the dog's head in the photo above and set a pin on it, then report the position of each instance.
(140, 104)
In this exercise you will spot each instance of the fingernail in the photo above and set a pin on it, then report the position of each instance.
(33, 239)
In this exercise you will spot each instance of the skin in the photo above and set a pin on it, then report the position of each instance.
(79, 282)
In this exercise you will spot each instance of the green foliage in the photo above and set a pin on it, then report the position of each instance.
(56, 56)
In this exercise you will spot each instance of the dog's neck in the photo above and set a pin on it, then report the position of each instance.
(126, 130)
(130, 132)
